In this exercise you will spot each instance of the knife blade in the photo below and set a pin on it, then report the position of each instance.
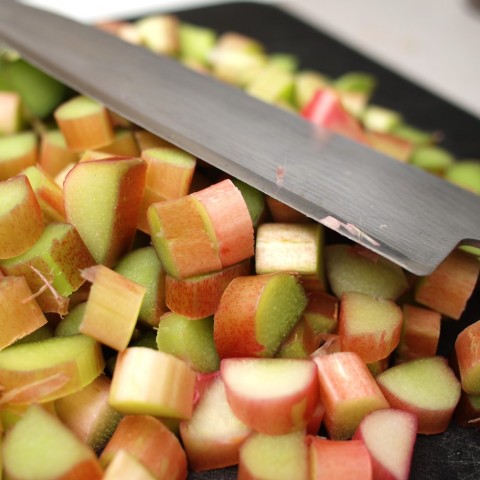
(411, 217)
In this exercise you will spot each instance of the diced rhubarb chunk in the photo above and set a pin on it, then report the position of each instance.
(467, 349)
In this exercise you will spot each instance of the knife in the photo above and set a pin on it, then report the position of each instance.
(406, 215)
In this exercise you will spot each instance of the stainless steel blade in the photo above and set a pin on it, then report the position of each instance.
(406, 215)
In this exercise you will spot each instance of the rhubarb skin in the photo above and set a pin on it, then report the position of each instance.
(448, 288)
(427, 387)
(248, 321)
(213, 436)
(198, 297)
(231, 221)
(182, 240)
(339, 459)
(19, 312)
(31, 450)
(467, 349)
(21, 220)
(164, 384)
(348, 392)
(149, 441)
(420, 333)
(102, 200)
(112, 307)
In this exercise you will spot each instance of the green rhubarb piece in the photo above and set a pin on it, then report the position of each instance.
(352, 270)
(465, 174)
(70, 324)
(284, 61)
(40, 93)
(255, 200)
(40, 334)
(306, 83)
(432, 159)
(58, 254)
(17, 145)
(411, 134)
(146, 339)
(189, 340)
(78, 107)
(281, 305)
(356, 82)
(144, 267)
(271, 84)
(196, 43)
(380, 119)
(31, 449)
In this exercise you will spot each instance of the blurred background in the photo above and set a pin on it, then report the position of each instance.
(433, 42)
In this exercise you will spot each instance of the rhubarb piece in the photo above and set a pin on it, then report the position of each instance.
(150, 442)
(54, 154)
(254, 199)
(355, 90)
(85, 124)
(348, 392)
(159, 33)
(143, 267)
(391, 145)
(21, 220)
(127, 31)
(31, 450)
(290, 247)
(414, 135)
(213, 436)
(198, 297)
(52, 266)
(380, 119)
(77, 358)
(88, 414)
(125, 466)
(124, 143)
(189, 340)
(147, 140)
(281, 212)
(102, 200)
(274, 458)
(356, 269)
(370, 327)
(389, 436)
(196, 43)
(420, 333)
(112, 307)
(448, 288)
(426, 387)
(339, 459)
(41, 333)
(467, 413)
(467, 349)
(10, 112)
(465, 174)
(432, 159)
(70, 324)
(20, 314)
(183, 241)
(153, 383)
(236, 58)
(17, 151)
(306, 84)
(256, 313)
(40, 93)
(301, 342)
(169, 171)
(321, 312)
(325, 110)
(48, 193)
(271, 84)
(230, 219)
(274, 396)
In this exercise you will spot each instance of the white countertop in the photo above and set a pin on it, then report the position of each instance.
(434, 42)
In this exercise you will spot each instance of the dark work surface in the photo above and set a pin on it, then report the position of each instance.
(456, 453)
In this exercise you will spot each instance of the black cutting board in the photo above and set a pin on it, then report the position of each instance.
(456, 453)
